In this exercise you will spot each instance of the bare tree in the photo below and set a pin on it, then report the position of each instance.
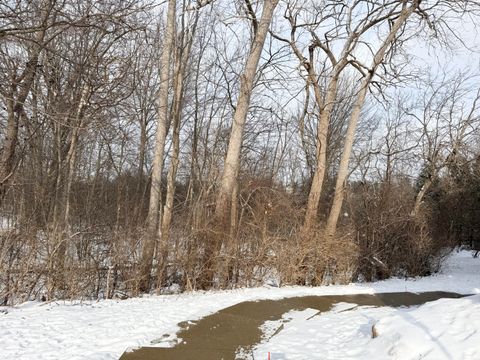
(154, 213)
(20, 84)
(223, 202)
(347, 26)
(182, 58)
(446, 122)
(378, 59)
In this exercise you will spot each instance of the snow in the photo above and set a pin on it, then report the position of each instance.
(105, 329)
(337, 334)
(442, 329)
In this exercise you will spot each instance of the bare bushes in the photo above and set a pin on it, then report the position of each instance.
(264, 245)
(97, 264)
(264, 222)
(314, 260)
(376, 240)
(94, 256)
(390, 240)
(17, 270)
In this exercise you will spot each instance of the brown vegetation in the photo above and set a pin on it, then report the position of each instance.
(228, 144)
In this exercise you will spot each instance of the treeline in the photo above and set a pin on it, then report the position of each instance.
(214, 144)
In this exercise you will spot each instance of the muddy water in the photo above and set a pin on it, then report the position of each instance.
(219, 335)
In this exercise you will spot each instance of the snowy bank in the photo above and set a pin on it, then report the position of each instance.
(446, 329)
(104, 329)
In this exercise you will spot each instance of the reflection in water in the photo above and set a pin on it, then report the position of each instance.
(219, 335)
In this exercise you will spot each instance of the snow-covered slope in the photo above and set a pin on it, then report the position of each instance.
(103, 330)
(443, 329)
(446, 329)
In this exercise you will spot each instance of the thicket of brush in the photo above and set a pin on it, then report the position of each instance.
(377, 238)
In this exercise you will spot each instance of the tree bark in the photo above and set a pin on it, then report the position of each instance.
(154, 209)
(8, 149)
(223, 200)
(15, 106)
(65, 231)
(321, 155)
(325, 108)
(419, 197)
(181, 63)
(336, 208)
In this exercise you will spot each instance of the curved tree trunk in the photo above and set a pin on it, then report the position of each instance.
(419, 197)
(350, 135)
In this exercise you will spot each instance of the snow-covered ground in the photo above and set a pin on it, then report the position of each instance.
(104, 329)
(446, 329)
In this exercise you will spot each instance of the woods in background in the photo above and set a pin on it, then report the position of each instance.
(214, 144)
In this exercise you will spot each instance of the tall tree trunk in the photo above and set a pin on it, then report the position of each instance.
(232, 160)
(142, 146)
(193, 177)
(15, 110)
(154, 209)
(350, 135)
(7, 151)
(180, 68)
(72, 151)
(141, 183)
(71, 166)
(325, 108)
(15, 105)
(321, 155)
